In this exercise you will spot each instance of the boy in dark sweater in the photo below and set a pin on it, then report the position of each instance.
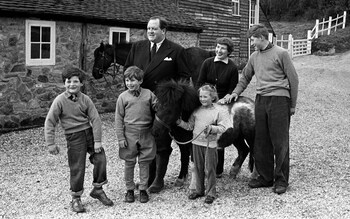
(82, 128)
(133, 121)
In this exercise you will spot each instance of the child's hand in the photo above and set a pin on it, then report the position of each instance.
(98, 147)
(122, 144)
(178, 121)
(207, 130)
(53, 149)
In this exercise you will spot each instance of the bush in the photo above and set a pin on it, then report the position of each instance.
(339, 40)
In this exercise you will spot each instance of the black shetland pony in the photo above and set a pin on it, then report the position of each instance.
(175, 98)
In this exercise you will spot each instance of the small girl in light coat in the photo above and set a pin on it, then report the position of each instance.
(207, 121)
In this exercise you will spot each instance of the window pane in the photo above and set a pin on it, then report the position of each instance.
(122, 37)
(46, 34)
(35, 51)
(45, 51)
(115, 39)
(35, 34)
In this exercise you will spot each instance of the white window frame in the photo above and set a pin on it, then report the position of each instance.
(40, 61)
(236, 5)
(118, 30)
(253, 13)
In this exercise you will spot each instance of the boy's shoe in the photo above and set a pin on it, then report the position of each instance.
(77, 206)
(209, 199)
(195, 195)
(101, 195)
(129, 196)
(143, 196)
(280, 189)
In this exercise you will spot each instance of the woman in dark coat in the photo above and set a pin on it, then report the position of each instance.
(221, 72)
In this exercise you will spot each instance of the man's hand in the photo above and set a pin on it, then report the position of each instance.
(292, 111)
(53, 149)
(122, 144)
(98, 147)
(233, 97)
(225, 99)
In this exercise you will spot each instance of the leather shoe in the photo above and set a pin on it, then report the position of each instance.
(143, 196)
(195, 196)
(209, 199)
(77, 206)
(280, 189)
(101, 195)
(129, 196)
(255, 183)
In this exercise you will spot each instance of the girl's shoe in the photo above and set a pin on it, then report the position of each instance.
(209, 199)
(129, 196)
(144, 196)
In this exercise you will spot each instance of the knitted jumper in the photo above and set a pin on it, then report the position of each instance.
(223, 76)
(274, 72)
(202, 117)
(134, 113)
(74, 116)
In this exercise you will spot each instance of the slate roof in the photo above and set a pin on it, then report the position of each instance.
(131, 13)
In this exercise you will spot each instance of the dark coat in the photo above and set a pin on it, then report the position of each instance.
(168, 63)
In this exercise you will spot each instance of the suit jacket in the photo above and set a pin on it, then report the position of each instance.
(168, 63)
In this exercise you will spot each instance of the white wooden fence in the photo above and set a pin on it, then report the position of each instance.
(299, 47)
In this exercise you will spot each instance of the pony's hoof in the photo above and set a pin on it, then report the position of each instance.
(179, 182)
(234, 171)
(155, 189)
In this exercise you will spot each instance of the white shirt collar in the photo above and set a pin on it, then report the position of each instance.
(216, 59)
(158, 44)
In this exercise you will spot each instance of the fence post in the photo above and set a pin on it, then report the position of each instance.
(329, 25)
(336, 23)
(344, 19)
(316, 29)
(309, 38)
(290, 45)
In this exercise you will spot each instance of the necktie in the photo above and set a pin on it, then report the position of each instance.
(154, 50)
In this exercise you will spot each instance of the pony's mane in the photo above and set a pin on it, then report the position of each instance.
(169, 92)
(178, 92)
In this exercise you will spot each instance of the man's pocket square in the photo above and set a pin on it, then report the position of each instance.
(168, 59)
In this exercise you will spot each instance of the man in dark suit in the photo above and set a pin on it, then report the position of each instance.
(161, 60)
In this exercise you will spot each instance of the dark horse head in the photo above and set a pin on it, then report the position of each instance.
(175, 99)
(106, 55)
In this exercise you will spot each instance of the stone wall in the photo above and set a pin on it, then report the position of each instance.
(26, 92)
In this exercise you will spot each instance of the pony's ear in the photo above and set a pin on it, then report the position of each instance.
(102, 46)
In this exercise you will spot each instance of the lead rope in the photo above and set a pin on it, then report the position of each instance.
(186, 142)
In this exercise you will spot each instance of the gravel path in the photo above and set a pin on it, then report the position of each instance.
(35, 184)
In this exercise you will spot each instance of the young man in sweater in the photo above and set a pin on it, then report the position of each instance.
(277, 90)
(82, 128)
(133, 121)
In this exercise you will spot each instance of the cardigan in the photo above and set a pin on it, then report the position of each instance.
(223, 76)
